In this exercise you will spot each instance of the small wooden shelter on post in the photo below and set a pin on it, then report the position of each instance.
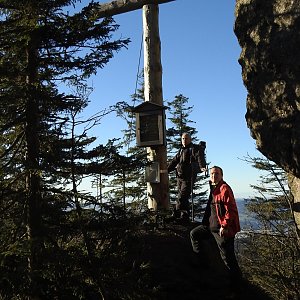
(158, 191)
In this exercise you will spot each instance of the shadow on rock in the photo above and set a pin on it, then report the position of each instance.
(176, 272)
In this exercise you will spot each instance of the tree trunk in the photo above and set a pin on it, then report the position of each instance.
(33, 193)
(294, 184)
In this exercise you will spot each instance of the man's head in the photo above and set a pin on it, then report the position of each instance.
(216, 174)
(186, 139)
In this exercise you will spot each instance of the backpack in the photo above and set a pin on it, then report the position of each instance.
(198, 150)
(195, 151)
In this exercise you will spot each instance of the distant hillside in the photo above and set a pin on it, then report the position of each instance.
(246, 219)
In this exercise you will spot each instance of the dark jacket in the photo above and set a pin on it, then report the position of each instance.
(188, 161)
(226, 209)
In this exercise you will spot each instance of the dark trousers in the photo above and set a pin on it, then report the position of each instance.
(184, 187)
(225, 245)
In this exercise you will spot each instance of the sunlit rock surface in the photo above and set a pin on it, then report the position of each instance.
(268, 32)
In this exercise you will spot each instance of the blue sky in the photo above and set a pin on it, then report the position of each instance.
(199, 56)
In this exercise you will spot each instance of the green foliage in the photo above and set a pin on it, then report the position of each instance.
(128, 186)
(67, 270)
(270, 254)
(179, 117)
(44, 51)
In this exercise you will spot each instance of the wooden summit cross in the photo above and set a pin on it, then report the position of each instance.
(158, 193)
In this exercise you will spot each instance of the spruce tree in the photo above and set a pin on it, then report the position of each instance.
(130, 183)
(270, 253)
(42, 49)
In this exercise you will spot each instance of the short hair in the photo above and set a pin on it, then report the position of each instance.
(217, 167)
(186, 133)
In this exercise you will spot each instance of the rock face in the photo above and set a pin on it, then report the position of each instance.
(269, 34)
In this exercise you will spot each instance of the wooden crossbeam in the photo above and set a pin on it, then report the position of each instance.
(122, 6)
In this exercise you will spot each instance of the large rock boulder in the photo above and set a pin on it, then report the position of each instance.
(269, 34)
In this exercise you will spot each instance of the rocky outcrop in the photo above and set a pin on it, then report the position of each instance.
(269, 34)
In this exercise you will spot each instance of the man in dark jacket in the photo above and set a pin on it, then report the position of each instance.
(221, 221)
(188, 161)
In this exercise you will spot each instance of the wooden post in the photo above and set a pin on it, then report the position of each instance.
(122, 6)
(158, 193)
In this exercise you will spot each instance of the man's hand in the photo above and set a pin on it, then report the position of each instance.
(203, 169)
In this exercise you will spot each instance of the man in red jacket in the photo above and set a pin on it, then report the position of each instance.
(220, 220)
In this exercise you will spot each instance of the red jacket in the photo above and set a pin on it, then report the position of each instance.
(226, 209)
